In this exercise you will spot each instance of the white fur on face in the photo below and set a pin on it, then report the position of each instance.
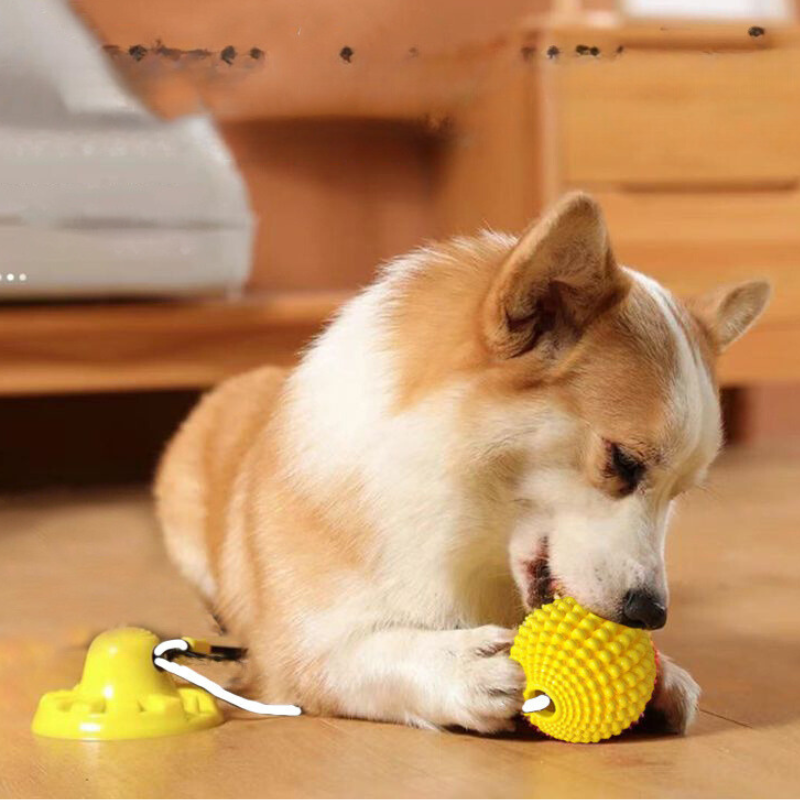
(695, 422)
(600, 547)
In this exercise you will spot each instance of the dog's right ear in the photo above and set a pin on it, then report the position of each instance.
(558, 278)
(728, 312)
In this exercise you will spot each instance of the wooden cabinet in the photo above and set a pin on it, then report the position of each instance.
(688, 135)
(679, 113)
(690, 138)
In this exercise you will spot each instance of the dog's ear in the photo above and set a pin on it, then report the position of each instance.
(728, 312)
(560, 275)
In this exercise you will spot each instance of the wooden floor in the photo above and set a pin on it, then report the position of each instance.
(71, 565)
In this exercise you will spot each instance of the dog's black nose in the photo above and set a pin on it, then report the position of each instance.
(640, 609)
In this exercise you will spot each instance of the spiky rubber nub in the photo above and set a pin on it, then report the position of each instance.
(599, 675)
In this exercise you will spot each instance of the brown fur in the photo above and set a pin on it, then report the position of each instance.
(610, 359)
(223, 473)
(207, 453)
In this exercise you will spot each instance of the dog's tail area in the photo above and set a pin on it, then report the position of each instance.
(196, 477)
(181, 512)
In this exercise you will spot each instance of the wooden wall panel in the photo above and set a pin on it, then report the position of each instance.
(409, 59)
(490, 173)
(333, 200)
(333, 197)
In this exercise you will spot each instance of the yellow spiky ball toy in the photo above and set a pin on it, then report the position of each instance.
(587, 678)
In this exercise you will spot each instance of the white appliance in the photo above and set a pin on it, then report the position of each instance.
(98, 197)
(708, 10)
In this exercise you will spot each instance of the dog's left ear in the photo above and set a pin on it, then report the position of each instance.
(728, 312)
(556, 280)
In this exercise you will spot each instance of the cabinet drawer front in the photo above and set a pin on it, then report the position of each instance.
(673, 118)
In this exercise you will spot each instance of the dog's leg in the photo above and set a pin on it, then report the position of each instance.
(428, 678)
(674, 704)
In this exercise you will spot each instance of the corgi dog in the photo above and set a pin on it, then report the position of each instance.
(494, 421)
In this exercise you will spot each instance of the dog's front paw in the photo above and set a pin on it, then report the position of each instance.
(485, 692)
(674, 704)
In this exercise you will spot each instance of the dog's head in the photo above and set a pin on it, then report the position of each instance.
(612, 405)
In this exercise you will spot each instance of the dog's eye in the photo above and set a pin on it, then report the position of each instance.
(624, 466)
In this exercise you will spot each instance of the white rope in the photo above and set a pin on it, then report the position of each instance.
(190, 676)
(538, 703)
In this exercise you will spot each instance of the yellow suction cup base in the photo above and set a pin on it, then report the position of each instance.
(123, 696)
